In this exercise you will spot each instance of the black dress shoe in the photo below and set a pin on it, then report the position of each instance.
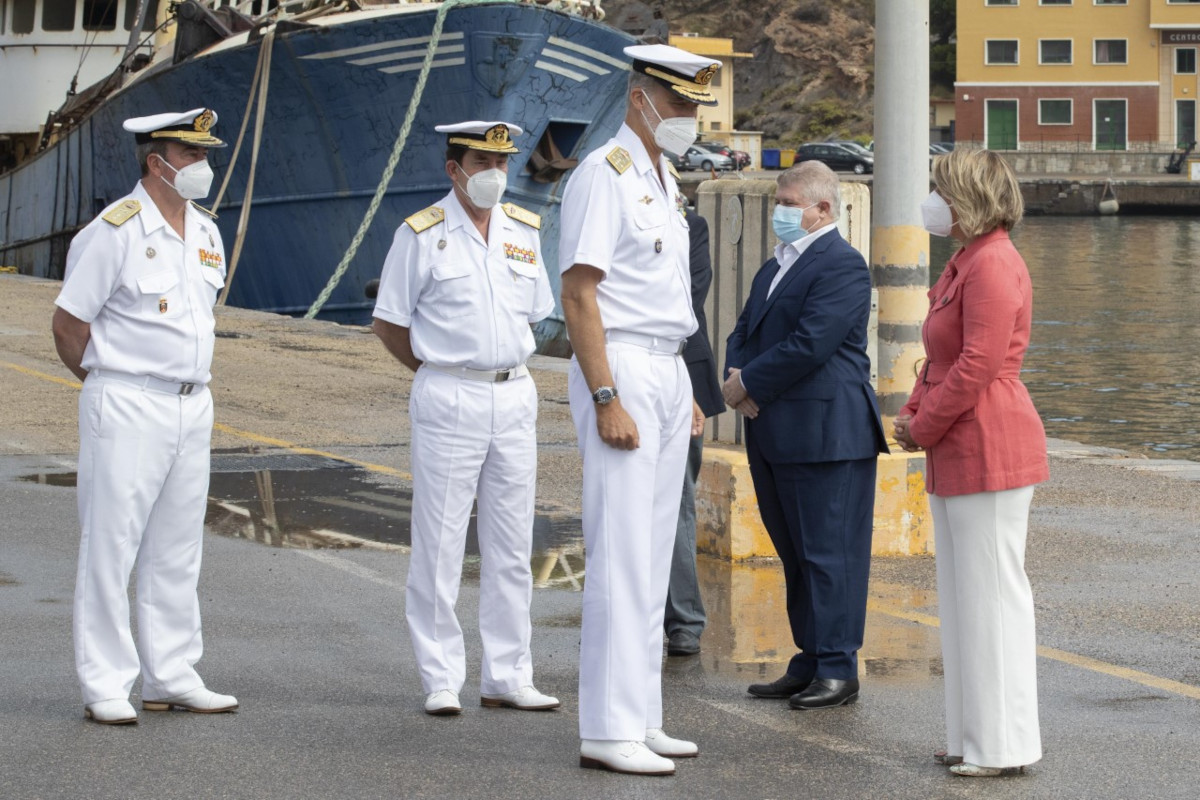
(683, 643)
(826, 693)
(781, 689)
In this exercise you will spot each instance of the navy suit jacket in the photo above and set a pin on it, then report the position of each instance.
(803, 356)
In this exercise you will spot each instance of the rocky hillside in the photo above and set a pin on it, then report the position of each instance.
(812, 73)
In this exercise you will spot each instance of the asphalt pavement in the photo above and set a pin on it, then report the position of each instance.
(313, 642)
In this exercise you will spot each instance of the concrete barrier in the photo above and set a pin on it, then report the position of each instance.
(728, 525)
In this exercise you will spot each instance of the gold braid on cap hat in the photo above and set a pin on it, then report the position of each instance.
(494, 140)
(694, 89)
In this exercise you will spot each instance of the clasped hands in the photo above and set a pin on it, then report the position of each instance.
(736, 396)
(902, 435)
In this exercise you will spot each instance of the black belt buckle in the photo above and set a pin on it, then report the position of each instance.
(186, 388)
(504, 374)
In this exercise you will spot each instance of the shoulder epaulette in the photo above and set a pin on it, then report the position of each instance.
(425, 219)
(523, 215)
(620, 159)
(671, 169)
(123, 212)
(202, 209)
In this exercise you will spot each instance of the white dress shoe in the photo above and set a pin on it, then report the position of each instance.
(663, 745)
(199, 700)
(111, 712)
(526, 698)
(969, 770)
(442, 703)
(632, 758)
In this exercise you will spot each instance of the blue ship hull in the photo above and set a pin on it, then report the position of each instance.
(337, 98)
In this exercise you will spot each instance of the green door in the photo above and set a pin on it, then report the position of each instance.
(1109, 124)
(1001, 124)
(1185, 122)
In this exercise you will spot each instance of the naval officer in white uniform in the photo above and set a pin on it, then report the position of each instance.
(626, 294)
(135, 323)
(461, 286)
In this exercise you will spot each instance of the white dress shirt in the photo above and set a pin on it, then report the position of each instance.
(629, 225)
(147, 294)
(467, 303)
(788, 254)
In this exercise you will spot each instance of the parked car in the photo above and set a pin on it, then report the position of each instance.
(836, 157)
(853, 147)
(741, 159)
(940, 148)
(698, 156)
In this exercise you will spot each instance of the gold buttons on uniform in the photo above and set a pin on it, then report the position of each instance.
(150, 253)
(441, 244)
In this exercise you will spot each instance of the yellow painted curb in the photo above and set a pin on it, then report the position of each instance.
(729, 527)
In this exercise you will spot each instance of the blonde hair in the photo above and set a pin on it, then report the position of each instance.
(981, 188)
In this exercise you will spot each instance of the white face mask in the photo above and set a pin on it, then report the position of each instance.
(486, 187)
(936, 215)
(193, 181)
(675, 135)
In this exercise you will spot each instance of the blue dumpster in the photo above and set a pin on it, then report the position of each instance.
(770, 159)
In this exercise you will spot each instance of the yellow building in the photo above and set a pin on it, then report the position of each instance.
(716, 122)
(1077, 74)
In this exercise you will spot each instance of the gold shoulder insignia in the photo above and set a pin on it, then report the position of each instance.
(202, 209)
(123, 212)
(425, 219)
(523, 215)
(619, 158)
(671, 169)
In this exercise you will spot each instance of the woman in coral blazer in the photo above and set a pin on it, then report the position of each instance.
(985, 448)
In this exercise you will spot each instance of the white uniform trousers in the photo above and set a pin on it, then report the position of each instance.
(142, 490)
(989, 647)
(630, 513)
(472, 438)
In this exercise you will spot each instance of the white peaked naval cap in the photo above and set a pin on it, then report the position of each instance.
(684, 73)
(187, 127)
(490, 137)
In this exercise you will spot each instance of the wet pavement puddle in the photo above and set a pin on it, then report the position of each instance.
(309, 502)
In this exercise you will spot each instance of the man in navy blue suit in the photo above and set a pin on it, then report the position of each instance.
(797, 369)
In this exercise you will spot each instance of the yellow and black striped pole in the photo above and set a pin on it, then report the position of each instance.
(899, 243)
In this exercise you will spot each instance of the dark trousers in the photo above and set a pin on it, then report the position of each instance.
(819, 517)
(685, 609)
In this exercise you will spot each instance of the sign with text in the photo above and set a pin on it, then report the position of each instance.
(1181, 37)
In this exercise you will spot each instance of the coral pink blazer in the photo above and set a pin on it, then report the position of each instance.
(971, 412)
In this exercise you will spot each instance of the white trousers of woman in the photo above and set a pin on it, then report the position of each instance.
(989, 647)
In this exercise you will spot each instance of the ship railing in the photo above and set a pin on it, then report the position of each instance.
(306, 9)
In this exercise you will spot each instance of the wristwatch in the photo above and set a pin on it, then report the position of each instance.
(604, 395)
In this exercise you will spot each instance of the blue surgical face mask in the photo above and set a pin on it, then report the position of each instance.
(787, 223)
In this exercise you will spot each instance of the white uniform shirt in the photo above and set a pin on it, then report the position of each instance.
(631, 227)
(788, 254)
(147, 293)
(467, 303)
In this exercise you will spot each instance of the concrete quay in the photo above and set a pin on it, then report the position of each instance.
(1053, 193)
(306, 626)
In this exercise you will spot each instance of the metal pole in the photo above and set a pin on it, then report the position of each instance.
(135, 33)
(899, 243)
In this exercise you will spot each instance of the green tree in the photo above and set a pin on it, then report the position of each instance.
(943, 44)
